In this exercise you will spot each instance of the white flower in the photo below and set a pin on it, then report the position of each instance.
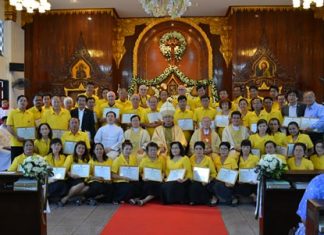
(273, 165)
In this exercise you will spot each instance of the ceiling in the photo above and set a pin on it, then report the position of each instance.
(132, 8)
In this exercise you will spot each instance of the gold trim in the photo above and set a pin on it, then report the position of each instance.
(110, 11)
(10, 11)
(81, 88)
(26, 18)
(183, 20)
(234, 9)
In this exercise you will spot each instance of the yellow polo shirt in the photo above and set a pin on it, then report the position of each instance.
(146, 120)
(258, 142)
(201, 112)
(37, 114)
(79, 136)
(249, 163)
(121, 161)
(302, 138)
(280, 139)
(94, 163)
(42, 146)
(55, 162)
(229, 163)
(18, 161)
(182, 163)
(251, 118)
(275, 113)
(139, 111)
(69, 161)
(57, 121)
(318, 162)
(187, 114)
(124, 105)
(206, 162)
(304, 165)
(158, 163)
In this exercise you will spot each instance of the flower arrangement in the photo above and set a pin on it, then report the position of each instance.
(271, 167)
(178, 49)
(36, 167)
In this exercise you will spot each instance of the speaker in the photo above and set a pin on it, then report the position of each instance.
(16, 67)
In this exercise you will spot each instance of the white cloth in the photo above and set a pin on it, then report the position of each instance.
(80, 115)
(292, 110)
(3, 112)
(111, 136)
(5, 159)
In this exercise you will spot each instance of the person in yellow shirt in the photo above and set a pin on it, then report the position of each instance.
(273, 93)
(223, 191)
(103, 99)
(124, 188)
(295, 136)
(253, 117)
(198, 191)
(47, 102)
(150, 124)
(318, 158)
(68, 103)
(108, 105)
(55, 158)
(258, 139)
(279, 137)
(135, 109)
(44, 136)
(150, 189)
(299, 161)
(243, 108)
(163, 98)
(224, 109)
(270, 148)
(176, 191)
(196, 101)
(254, 94)
(269, 112)
(76, 184)
(203, 111)
(122, 100)
(99, 188)
(90, 91)
(37, 109)
(182, 91)
(19, 118)
(142, 92)
(28, 151)
(237, 96)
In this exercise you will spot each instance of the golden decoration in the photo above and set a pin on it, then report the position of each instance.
(319, 13)
(81, 70)
(93, 11)
(188, 21)
(26, 18)
(10, 11)
(80, 89)
(235, 9)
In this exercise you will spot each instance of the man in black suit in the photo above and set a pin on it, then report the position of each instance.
(293, 108)
(86, 117)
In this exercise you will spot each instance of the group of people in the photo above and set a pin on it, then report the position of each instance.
(156, 132)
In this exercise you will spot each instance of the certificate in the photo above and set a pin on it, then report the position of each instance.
(152, 174)
(82, 170)
(186, 124)
(154, 117)
(130, 172)
(290, 150)
(256, 152)
(307, 122)
(288, 120)
(69, 147)
(201, 174)
(58, 133)
(248, 176)
(126, 118)
(102, 171)
(28, 133)
(175, 175)
(115, 110)
(254, 127)
(59, 173)
(227, 176)
(221, 120)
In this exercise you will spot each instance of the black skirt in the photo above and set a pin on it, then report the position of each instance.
(151, 188)
(198, 193)
(72, 182)
(124, 191)
(100, 189)
(221, 191)
(57, 189)
(245, 189)
(175, 192)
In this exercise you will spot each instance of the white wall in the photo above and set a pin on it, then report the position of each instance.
(14, 50)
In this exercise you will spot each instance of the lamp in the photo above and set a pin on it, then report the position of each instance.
(158, 8)
(31, 5)
(306, 4)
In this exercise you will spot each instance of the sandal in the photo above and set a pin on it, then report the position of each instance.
(140, 202)
(132, 202)
(214, 202)
(234, 202)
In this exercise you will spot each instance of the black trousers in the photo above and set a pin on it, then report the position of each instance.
(100, 189)
(221, 191)
(151, 188)
(124, 191)
(16, 151)
(57, 189)
(175, 192)
(198, 193)
(245, 189)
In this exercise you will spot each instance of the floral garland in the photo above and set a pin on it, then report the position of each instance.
(178, 50)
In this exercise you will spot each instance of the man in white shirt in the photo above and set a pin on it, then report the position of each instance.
(111, 136)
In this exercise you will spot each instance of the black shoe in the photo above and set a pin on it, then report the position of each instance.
(91, 202)
(78, 202)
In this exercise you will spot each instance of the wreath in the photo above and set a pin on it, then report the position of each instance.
(178, 50)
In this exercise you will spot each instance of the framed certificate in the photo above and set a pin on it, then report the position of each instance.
(221, 120)
(201, 174)
(256, 152)
(186, 124)
(153, 117)
(126, 118)
(152, 174)
(59, 173)
(57, 133)
(248, 176)
(254, 127)
(115, 110)
(82, 170)
(175, 175)
(130, 172)
(288, 120)
(27, 133)
(227, 176)
(68, 147)
(307, 122)
(102, 171)
(290, 150)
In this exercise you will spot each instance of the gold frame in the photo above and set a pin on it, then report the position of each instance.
(80, 88)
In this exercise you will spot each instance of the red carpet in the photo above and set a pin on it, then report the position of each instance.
(156, 219)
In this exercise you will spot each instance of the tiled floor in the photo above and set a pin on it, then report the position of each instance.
(87, 220)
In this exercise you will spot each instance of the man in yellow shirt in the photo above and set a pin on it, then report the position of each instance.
(90, 91)
(254, 93)
(182, 91)
(37, 109)
(122, 100)
(252, 118)
(153, 110)
(142, 91)
(182, 113)
(163, 98)
(103, 99)
(237, 95)
(47, 102)
(135, 109)
(269, 112)
(274, 91)
(19, 118)
(196, 101)
(204, 111)
(111, 103)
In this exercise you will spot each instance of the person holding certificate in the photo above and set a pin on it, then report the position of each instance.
(203, 110)
(221, 190)
(134, 109)
(163, 98)
(57, 188)
(318, 158)
(100, 186)
(28, 148)
(138, 136)
(152, 116)
(222, 116)
(177, 191)
(295, 136)
(299, 160)
(253, 117)
(260, 137)
(44, 136)
(270, 148)
(151, 185)
(279, 138)
(76, 184)
(198, 189)
(109, 105)
(243, 108)
(124, 189)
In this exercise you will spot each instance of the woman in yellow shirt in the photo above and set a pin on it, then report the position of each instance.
(176, 191)
(318, 158)
(44, 136)
(150, 189)
(270, 148)
(295, 136)
(223, 191)
(279, 138)
(124, 188)
(244, 110)
(198, 191)
(77, 186)
(299, 161)
(225, 107)
(261, 136)
(99, 188)
(56, 188)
